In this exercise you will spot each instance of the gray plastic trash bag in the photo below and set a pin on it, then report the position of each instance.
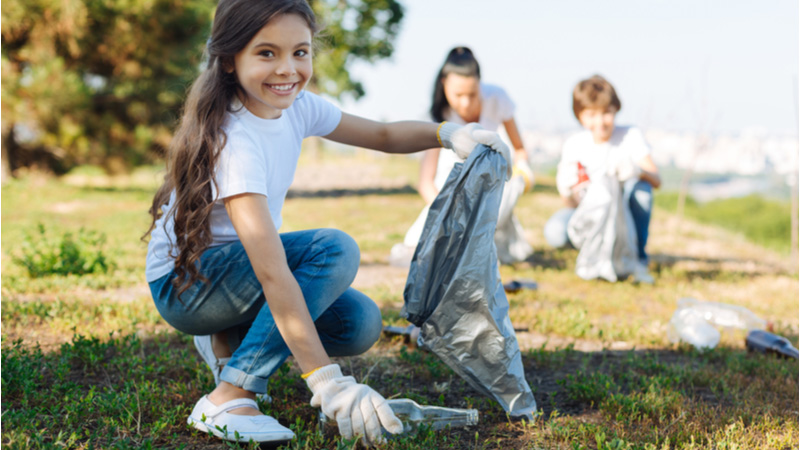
(454, 293)
(602, 228)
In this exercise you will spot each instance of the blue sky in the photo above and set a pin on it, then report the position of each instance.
(684, 65)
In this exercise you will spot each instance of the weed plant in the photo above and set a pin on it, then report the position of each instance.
(79, 253)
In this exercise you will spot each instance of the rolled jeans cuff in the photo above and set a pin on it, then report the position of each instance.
(241, 379)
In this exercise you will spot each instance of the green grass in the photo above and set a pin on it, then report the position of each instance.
(763, 221)
(88, 362)
(119, 212)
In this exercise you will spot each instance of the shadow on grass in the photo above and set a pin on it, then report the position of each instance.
(119, 189)
(326, 193)
(545, 188)
(124, 392)
(551, 258)
(133, 392)
(663, 261)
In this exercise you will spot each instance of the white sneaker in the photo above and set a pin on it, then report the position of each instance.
(642, 275)
(203, 345)
(210, 418)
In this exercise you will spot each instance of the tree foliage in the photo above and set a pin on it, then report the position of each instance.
(102, 81)
(96, 81)
(353, 30)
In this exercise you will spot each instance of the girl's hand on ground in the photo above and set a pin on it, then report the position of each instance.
(357, 408)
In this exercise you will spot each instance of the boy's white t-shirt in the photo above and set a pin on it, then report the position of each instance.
(260, 157)
(625, 142)
(496, 108)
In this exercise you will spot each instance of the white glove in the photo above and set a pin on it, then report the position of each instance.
(627, 169)
(356, 408)
(522, 169)
(463, 140)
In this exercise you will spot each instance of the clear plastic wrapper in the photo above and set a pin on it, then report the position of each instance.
(693, 322)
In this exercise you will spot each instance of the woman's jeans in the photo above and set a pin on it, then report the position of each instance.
(640, 194)
(324, 262)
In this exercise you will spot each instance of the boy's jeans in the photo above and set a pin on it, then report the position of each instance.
(324, 262)
(640, 194)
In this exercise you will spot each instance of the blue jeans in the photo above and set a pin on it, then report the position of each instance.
(324, 262)
(640, 201)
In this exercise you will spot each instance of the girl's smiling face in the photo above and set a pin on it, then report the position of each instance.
(275, 65)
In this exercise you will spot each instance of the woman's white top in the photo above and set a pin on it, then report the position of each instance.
(496, 108)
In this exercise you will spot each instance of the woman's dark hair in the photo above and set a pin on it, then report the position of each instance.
(194, 150)
(460, 61)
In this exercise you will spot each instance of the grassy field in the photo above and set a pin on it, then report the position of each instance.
(88, 363)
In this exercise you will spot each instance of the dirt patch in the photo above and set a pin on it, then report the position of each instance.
(371, 275)
(708, 248)
(355, 175)
(68, 207)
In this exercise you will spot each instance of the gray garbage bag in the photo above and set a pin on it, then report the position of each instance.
(602, 228)
(509, 238)
(454, 293)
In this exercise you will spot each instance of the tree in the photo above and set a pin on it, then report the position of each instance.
(353, 30)
(102, 81)
(95, 81)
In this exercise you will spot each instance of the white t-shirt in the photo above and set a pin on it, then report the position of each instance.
(625, 142)
(496, 108)
(260, 157)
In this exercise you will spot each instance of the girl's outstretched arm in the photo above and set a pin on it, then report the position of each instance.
(395, 137)
(250, 216)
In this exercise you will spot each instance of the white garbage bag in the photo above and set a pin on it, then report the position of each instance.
(602, 229)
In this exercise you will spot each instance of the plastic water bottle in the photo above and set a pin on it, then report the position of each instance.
(765, 342)
(410, 333)
(413, 415)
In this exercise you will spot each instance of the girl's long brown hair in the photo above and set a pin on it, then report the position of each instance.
(194, 151)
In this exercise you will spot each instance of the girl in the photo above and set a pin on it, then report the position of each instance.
(216, 263)
(459, 96)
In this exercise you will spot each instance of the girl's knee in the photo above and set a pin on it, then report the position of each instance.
(343, 249)
(353, 328)
(369, 329)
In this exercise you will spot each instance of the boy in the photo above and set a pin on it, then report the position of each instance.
(604, 148)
